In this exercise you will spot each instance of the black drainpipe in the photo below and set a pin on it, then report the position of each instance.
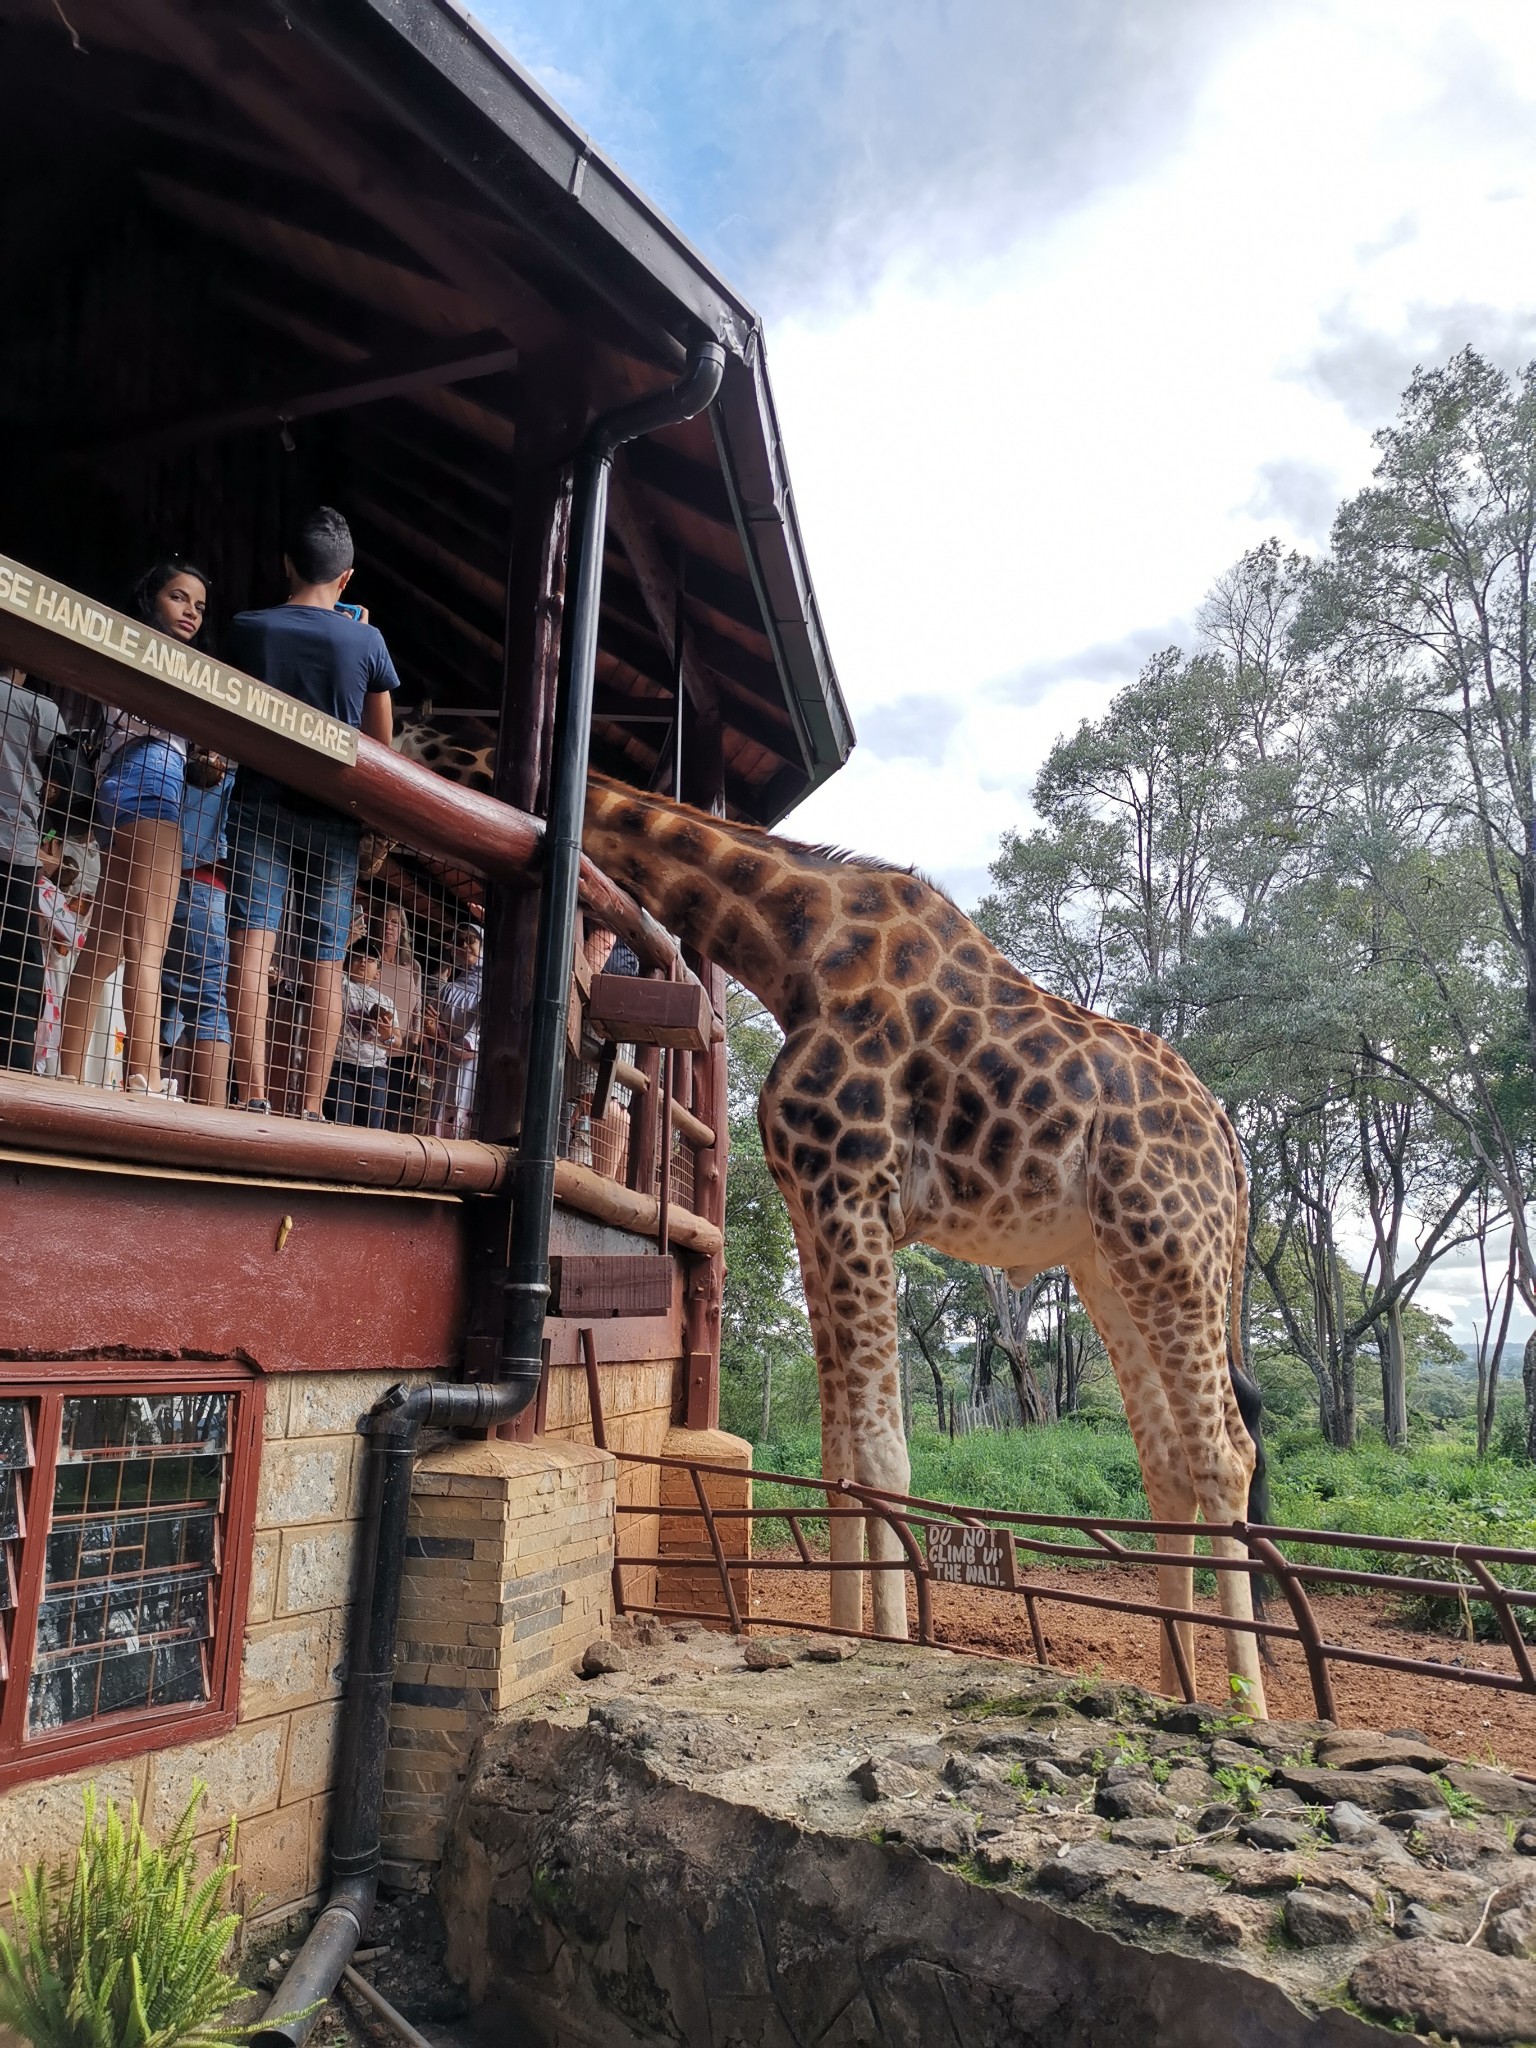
(396, 1423)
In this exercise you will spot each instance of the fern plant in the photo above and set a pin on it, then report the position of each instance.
(125, 1949)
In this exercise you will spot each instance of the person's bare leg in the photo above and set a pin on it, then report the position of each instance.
(210, 1072)
(154, 877)
(322, 979)
(250, 985)
(98, 962)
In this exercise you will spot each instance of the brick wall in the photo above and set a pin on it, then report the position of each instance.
(507, 1580)
(274, 1769)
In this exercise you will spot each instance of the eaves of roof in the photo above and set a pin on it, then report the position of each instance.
(442, 75)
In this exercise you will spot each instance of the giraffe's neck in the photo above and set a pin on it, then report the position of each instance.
(738, 896)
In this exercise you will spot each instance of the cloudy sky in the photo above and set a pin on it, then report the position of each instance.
(1068, 302)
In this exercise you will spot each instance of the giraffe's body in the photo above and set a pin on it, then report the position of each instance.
(928, 1091)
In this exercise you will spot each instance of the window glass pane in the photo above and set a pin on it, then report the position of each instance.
(16, 1437)
(131, 1564)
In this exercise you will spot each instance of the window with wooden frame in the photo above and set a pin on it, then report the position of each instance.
(126, 1506)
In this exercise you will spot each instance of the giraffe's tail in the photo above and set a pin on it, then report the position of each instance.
(1245, 1388)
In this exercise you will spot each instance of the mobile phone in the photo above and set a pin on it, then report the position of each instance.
(353, 611)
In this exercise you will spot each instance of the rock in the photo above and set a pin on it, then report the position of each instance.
(1357, 1829)
(601, 1658)
(1268, 1831)
(1494, 1791)
(1165, 1897)
(1022, 1742)
(1520, 1891)
(996, 1861)
(1525, 1839)
(1049, 1777)
(1315, 1918)
(1240, 1756)
(1190, 1786)
(761, 1655)
(1513, 1932)
(1456, 1991)
(835, 1651)
(625, 1720)
(1148, 1835)
(1110, 1703)
(1133, 1799)
(881, 1777)
(1421, 1923)
(941, 1833)
(1213, 1820)
(1393, 1789)
(1194, 1906)
(1251, 1870)
(960, 1772)
(1190, 1717)
(1359, 1749)
(1076, 1872)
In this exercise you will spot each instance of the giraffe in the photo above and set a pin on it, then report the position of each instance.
(463, 749)
(926, 1090)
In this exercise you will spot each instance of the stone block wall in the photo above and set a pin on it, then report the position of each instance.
(274, 1769)
(696, 1588)
(508, 1578)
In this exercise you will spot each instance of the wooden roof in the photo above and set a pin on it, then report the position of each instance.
(258, 256)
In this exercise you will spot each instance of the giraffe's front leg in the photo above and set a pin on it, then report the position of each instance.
(858, 1278)
(846, 1597)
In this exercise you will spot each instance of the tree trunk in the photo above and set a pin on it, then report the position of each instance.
(767, 1395)
(1394, 1378)
(1528, 1373)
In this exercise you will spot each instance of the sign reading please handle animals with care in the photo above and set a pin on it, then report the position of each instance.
(965, 1554)
(138, 646)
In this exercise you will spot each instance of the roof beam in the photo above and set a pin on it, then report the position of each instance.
(637, 537)
(231, 70)
(693, 485)
(394, 380)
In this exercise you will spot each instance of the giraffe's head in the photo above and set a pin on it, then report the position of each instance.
(462, 749)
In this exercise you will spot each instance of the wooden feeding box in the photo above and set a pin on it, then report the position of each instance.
(627, 1010)
(619, 1284)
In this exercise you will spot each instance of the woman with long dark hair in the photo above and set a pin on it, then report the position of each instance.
(141, 781)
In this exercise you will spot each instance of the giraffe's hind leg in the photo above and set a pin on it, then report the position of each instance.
(1164, 1469)
(1182, 1319)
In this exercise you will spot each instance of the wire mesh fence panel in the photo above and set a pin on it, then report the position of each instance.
(173, 925)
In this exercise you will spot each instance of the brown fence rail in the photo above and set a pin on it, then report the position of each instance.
(913, 1521)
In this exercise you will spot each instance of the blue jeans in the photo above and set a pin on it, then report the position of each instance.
(357, 1095)
(309, 862)
(145, 779)
(192, 980)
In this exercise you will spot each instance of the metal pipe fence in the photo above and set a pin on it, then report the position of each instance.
(999, 1541)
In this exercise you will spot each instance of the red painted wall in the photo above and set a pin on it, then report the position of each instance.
(100, 1261)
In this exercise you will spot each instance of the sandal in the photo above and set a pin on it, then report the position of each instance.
(138, 1084)
(258, 1106)
(315, 1116)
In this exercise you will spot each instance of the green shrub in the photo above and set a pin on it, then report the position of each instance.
(126, 1948)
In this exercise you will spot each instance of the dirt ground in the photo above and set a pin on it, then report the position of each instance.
(1473, 1721)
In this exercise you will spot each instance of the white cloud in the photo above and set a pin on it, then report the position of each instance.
(1012, 470)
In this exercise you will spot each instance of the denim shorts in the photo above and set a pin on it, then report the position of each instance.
(279, 857)
(146, 779)
(196, 964)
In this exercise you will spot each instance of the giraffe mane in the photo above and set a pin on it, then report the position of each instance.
(813, 854)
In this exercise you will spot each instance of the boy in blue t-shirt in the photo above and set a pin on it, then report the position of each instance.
(285, 848)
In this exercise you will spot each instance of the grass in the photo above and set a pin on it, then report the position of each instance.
(1087, 1465)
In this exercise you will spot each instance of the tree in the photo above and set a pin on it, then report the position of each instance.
(763, 1326)
(1431, 569)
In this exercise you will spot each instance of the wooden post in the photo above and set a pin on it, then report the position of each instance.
(535, 601)
(704, 1281)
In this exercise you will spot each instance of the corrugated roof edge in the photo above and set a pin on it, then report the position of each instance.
(429, 59)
